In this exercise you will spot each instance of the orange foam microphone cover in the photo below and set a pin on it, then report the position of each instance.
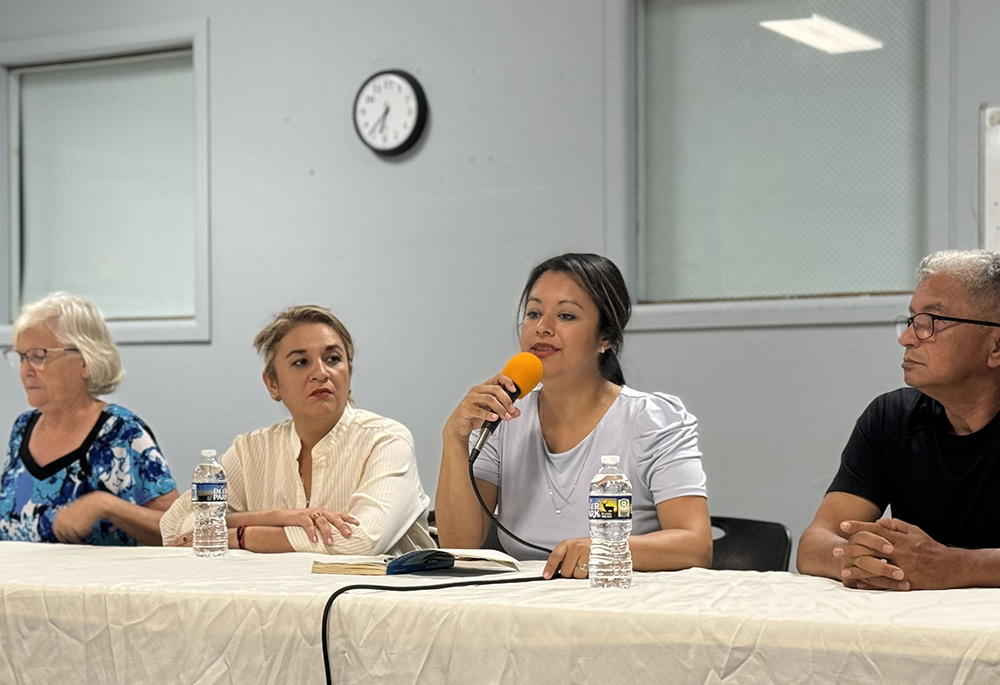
(525, 369)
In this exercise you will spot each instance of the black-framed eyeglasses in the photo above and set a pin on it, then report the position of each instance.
(36, 356)
(923, 324)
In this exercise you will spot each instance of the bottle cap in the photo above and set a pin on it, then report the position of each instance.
(610, 459)
(208, 453)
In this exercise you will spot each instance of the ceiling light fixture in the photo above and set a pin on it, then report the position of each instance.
(823, 34)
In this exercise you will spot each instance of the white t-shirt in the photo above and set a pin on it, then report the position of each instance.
(544, 497)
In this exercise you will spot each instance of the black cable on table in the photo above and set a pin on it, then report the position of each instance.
(389, 588)
(441, 586)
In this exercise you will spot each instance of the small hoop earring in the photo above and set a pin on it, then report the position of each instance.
(276, 398)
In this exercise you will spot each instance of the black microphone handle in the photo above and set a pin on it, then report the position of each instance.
(490, 426)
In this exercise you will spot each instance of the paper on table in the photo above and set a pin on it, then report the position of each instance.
(419, 560)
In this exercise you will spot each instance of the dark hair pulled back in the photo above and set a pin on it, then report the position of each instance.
(604, 284)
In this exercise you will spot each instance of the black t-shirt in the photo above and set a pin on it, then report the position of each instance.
(904, 453)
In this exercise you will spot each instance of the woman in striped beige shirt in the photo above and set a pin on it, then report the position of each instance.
(334, 478)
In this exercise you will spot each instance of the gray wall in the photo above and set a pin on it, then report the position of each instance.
(424, 257)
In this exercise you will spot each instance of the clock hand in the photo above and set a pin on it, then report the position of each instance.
(380, 122)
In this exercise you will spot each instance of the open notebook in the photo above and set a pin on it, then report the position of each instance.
(418, 560)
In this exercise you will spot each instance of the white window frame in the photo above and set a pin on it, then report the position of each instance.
(621, 228)
(192, 34)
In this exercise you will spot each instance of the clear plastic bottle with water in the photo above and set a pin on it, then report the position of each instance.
(208, 499)
(610, 525)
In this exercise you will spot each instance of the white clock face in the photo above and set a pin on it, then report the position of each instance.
(388, 113)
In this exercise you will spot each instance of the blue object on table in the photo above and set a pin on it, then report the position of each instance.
(420, 560)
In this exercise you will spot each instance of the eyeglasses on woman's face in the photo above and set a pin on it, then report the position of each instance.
(36, 356)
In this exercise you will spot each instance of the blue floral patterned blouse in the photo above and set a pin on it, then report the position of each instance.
(120, 456)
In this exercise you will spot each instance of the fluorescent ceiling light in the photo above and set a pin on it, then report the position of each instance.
(823, 34)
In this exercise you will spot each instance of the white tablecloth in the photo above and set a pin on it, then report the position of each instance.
(72, 614)
(693, 626)
(152, 615)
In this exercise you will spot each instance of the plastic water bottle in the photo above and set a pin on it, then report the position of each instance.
(610, 526)
(208, 499)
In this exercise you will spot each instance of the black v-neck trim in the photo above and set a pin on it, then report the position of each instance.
(79, 454)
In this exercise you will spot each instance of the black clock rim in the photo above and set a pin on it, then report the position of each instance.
(418, 125)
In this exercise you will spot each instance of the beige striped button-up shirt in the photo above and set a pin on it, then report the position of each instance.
(364, 467)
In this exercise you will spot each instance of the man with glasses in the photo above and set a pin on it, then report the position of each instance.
(931, 451)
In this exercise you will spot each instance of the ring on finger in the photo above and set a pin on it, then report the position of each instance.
(315, 515)
(583, 567)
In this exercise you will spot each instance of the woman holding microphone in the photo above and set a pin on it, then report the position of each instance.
(535, 470)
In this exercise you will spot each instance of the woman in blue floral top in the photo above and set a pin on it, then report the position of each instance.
(78, 470)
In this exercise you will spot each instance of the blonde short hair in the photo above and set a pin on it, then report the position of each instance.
(77, 323)
(266, 342)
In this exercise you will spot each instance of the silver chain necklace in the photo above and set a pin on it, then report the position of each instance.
(553, 492)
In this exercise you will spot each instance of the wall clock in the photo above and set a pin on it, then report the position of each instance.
(390, 111)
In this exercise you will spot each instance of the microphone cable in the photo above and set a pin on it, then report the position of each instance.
(479, 496)
(525, 370)
(408, 588)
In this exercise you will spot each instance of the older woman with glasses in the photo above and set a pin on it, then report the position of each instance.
(78, 470)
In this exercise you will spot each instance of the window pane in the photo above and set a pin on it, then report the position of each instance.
(768, 168)
(108, 184)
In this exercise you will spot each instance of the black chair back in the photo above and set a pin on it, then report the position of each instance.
(748, 545)
(492, 540)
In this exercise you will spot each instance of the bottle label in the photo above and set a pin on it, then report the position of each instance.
(617, 507)
(208, 492)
